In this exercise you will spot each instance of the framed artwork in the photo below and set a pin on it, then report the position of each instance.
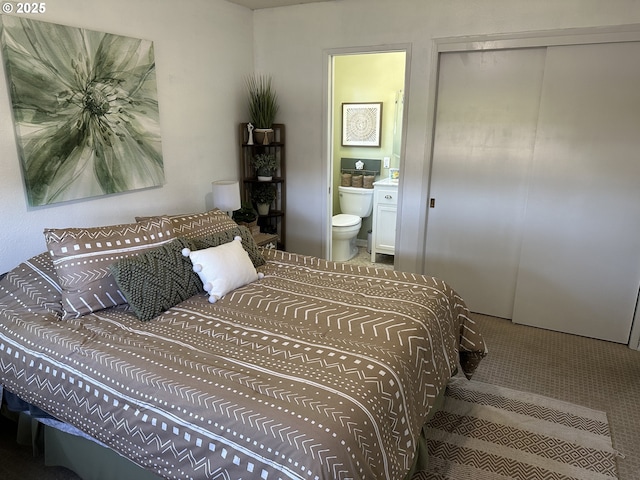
(85, 110)
(361, 124)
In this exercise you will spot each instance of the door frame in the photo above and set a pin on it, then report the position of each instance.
(634, 339)
(328, 127)
(544, 38)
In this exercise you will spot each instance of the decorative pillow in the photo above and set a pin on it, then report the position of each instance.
(32, 287)
(193, 225)
(211, 229)
(248, 242)
(82, 256)
(223, 268)
(156, 280)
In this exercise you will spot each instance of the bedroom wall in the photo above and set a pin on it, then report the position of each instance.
(291, 42)
(203, 50)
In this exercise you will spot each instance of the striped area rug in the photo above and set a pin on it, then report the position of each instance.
(485, 432)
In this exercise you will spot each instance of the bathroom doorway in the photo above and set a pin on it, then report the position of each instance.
(364, 77)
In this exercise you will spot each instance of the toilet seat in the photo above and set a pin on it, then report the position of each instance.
(344, 230)
(345, 220)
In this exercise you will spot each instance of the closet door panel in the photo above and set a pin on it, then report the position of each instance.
(486, 117)
(580, 262)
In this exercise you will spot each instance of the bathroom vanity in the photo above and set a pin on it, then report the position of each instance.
(385, 210)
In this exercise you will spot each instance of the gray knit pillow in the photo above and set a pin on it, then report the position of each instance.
(158, 279)
(215, 239)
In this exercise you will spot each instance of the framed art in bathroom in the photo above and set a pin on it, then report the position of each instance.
(361, 124)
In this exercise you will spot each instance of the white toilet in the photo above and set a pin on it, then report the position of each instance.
(355, 204)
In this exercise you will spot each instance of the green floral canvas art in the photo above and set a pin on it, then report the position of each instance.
(85, 109)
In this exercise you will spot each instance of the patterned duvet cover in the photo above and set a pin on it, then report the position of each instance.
(319, 370)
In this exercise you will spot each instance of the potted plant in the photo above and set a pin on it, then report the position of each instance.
(263, 106)
(248, 217)
(263, 195)
(265, 165)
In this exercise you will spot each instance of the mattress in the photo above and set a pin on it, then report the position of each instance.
(318, 370)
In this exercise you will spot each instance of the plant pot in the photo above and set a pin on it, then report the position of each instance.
(263, 208)
(264, 175)
(261, 135)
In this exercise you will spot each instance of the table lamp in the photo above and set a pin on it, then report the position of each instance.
(226, 195)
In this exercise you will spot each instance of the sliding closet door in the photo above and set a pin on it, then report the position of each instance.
(487, 110)
(580, 262)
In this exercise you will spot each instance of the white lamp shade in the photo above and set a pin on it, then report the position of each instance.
(226, 195)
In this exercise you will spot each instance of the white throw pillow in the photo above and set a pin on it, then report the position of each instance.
(223, 268)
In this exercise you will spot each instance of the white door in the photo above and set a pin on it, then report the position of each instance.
(580, 261)
(487, 112)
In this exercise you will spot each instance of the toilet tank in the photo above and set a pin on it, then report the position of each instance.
(356, 201)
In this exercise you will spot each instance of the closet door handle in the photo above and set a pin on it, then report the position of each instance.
(432, 203)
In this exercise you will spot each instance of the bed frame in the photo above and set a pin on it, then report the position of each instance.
(91, 460)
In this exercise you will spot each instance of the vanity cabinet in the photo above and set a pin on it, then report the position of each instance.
(385, 212)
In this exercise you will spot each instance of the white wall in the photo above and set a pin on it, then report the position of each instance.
(290, 43)
(203, 51)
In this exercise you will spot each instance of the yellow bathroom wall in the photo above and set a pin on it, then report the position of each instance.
(371, 77)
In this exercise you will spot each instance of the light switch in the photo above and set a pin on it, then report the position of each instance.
(386, 162)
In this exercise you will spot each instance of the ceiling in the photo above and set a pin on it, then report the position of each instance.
(258, 4)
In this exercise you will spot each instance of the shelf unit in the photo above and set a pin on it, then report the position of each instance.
(275, 221)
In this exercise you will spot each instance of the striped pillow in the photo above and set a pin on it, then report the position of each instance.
(213, 228)
(82, 257)
(194, 225)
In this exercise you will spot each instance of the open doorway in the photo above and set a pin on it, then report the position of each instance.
(375, 77)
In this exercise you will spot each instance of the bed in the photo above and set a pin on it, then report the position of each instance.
(306, 369)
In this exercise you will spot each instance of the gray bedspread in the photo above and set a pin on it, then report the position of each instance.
(320, 370)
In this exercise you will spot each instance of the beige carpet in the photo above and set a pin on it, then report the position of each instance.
(489, 432)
